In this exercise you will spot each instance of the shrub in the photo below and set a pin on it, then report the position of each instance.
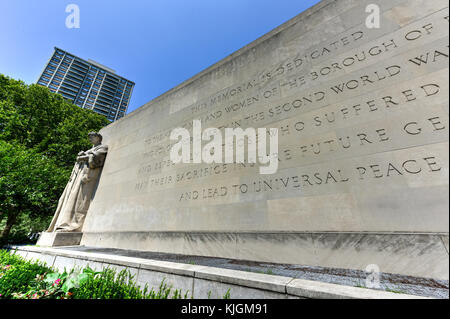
(109, 284)
(55, 285)
(22, 279)
(16, 274)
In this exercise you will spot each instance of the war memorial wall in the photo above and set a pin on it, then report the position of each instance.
(362, 178)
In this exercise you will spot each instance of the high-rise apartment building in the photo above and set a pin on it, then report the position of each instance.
(87, 84)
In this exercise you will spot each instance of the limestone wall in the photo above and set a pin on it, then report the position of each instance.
(362, 178)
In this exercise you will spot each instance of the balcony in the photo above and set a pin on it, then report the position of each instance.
(108, 85)
(100, 109)
(75, 76)
(108, 91)
(68, 89)
(104, 99)
(76, 71)
(103, 104)
(70, 86)
(80, 65)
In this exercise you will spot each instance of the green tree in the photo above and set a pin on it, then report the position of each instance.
(36, 118)
(29, 183)
(40, 136)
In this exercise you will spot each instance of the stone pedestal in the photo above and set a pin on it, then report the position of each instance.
(59, 239)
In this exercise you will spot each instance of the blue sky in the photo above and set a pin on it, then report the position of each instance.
(155, 43)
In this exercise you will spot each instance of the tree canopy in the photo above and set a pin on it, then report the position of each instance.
(40, 136)
(32, 116)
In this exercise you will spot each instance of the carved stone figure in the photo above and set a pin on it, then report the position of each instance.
(78, 194)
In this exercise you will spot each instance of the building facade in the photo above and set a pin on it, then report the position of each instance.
(87, 84)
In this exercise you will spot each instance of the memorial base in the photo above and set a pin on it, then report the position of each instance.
(53, 239)
(204, 282)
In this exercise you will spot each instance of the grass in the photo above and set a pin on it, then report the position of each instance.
(395, 291)
(266, 272)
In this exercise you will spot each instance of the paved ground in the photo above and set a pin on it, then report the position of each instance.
(389, 282)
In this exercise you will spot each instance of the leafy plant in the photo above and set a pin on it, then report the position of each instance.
(16, 274)
(69, 281)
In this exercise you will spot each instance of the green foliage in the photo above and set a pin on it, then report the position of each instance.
(28, 180)
(68, 281)
(6, 258)
(40, 135)
(396, 291)
(25, 226)
(40, 289)
(55, 285)
(16, 274)
(109, 284)
(227, 294)
(34, 117)
(21, 279)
